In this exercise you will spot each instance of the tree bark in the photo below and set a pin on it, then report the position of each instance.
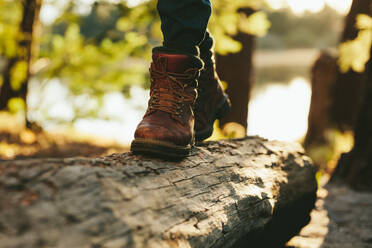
(236, 193)
(236, 69)
(322, 80)
(355, 167)
(347, 91)
(30, 19)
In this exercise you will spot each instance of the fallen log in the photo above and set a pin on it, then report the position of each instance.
(237, 193)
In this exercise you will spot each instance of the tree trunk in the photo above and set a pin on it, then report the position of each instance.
(347, 91)
(355, 167)
(323, 78)
(237, 193)
(30, 19)
(236, 69)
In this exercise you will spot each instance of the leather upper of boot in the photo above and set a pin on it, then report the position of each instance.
(169, 117)
(210, 94)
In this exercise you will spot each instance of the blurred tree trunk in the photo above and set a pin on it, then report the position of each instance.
(26, 47)
(322, 80)
(336, 97)
(347, 91)
(355, 167)
(236, 69)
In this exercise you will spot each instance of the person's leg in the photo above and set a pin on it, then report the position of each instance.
(184, 24)
(167, 129)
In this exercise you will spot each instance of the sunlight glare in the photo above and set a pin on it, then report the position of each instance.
(342, 6)
(134, 3)
(51, 9)
(280, 111)
(276, 4)
(298, 7)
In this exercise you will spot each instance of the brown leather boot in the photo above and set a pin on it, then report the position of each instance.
(212, 103)
(167, 129)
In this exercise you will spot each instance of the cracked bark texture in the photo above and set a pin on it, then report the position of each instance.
(238, 193)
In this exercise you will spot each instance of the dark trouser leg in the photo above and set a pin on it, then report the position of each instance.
(184, 24)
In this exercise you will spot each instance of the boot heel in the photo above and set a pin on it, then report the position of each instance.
(221, 111)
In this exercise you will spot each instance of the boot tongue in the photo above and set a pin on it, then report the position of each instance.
(177, 63)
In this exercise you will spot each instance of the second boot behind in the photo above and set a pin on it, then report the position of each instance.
(212, 103)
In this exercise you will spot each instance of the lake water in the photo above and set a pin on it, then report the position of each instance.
(279, 111)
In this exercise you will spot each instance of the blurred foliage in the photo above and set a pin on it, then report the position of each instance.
(228, 19)
(354, 54)
(230, 130)
(10, 16)
(256, 24)
(327, 155)
(18, 74)
(108, 48)
(16, 105)
(97, 53)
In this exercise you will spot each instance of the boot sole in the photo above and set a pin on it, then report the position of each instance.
(159, 149)
(221, 111)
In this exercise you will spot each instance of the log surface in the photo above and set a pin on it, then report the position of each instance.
(234, 193)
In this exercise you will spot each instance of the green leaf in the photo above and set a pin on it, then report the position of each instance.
(255, 24)
(18, 75)
(354, 54)
(16, 105)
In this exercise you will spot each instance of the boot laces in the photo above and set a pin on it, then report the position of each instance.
(172, 96)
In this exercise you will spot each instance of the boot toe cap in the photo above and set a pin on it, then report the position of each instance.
(163, 134)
